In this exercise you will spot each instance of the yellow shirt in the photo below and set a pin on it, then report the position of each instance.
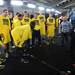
(17, 22)
(21, 34)
(37, 26)
(50, 21)
(5, 28)
(26, 21)
(42, 24)
(15, 17)
(4, 21)
(50, 27)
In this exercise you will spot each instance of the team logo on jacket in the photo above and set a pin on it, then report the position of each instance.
(5, 22)
(51, 20)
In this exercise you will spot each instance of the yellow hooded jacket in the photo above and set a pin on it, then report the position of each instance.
(50, 27)
(26, 21)
(17, 22)
(15, 17)
(21, 34)
(42, 25)
(5, 28)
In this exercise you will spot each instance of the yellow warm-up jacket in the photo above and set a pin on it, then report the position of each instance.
(5, 28)
(21, 34)
(15, 17)
(50, 27)
(17, 22)
(42, 25)
(26, 21)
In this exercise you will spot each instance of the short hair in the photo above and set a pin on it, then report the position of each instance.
(36, 13)
(5, 10)
(31, 16)
(10, 11)
(19, 15)
(25, 12)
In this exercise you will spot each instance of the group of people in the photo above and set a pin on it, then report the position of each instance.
(26, 30)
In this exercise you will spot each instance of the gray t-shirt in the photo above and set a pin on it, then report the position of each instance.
(65, 26)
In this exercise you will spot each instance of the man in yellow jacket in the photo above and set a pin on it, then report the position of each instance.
(18, 21)
(21, 35)
(5, 29)
(36, 32)
(42, 27)
(50, 27)
(26, 18)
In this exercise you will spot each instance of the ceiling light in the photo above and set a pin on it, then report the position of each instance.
(16, 3)
(31, 5)
(48, 10)
(41, 8)
(58, 12)
(53, 10)
(1, 2)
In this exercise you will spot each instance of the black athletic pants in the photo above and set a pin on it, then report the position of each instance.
(36, 36)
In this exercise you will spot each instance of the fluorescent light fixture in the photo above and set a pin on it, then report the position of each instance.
(58, 12)
(1, 2)
(16, 3)
(53, 10)
(41, 8)
(31, 5)
(48, 10)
